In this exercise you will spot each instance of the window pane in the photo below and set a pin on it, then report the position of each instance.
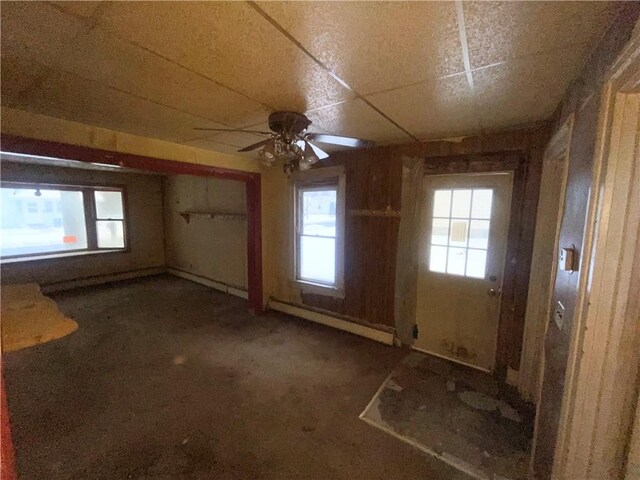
(318, 259)
(29, 225)
(438, 259)
(476, 263)
(481, 207)
(456, 260)
(461, 203)
(479, 234)
(442, 203)
(439, 231)
(318, 212)
(109, 204)
(459, 232)
(110, 234)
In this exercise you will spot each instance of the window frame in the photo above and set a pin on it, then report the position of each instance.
(319, 179)
(90, 218)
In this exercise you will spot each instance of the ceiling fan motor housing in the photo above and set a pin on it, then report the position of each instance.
(289, 124)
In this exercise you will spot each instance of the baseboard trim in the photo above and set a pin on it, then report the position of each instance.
(100, 279)
(351, 327)
(207, 282)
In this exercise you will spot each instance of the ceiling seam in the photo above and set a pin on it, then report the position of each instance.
(96, 24)
(134, 95)
(325, 67)
(462, 30)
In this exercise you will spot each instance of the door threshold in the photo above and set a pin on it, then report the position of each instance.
(451, 359)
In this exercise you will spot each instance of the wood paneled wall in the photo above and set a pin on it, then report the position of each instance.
(374, 181)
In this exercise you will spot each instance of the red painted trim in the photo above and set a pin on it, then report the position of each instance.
(45, 148)
(7, 455)
(254, 244)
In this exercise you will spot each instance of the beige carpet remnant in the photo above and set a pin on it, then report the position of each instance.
(28, 318)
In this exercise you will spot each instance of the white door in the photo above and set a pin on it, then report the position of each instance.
(463, 247)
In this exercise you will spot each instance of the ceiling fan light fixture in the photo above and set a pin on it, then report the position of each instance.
(309, 157)
(267, 154)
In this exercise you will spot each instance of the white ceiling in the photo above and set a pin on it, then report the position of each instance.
(390, 72)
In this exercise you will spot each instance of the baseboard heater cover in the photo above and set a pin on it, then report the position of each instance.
(207, 282)
(371, 333)
(100, 279)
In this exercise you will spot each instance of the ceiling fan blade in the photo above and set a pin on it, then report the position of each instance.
(259, 132)
(256, 145)
(338, 140)
(321, 154)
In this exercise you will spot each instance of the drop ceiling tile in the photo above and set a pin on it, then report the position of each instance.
(104, 58)
(355, 119)
(499, 31)
(37, 29)
(376, 46)
(432, 109)
(82, 8)
(236, 140)
(19, 77)
(524, 91)
(230, 43)
(210, 144)
(73, 98)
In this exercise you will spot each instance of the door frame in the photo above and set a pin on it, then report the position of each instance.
(518, 258)
(596, 425)
(543, 262)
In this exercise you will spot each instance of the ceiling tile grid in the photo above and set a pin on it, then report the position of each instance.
(385, 71)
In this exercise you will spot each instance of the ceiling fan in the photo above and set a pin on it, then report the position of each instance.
(290, 142)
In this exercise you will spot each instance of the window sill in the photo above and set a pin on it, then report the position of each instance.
(55, 256)
(319, 289)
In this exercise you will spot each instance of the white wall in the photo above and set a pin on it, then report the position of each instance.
(215, 249)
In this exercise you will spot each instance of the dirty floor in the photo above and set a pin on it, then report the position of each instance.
(455, 413)
(167, 379)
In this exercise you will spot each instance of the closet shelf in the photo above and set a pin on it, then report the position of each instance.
(212, 215)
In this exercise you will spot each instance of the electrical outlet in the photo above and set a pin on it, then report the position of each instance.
(559, 315)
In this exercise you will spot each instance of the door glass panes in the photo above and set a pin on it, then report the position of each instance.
(460, 226)
(317, 235)
(39, 221)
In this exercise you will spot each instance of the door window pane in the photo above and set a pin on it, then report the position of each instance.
(39, 228)
(479, 234)
(318, 259)
(442, 203)
(456, 260)
(482, 200)
(476, 263)
(459, 232)
(109, 205)
(438, 259)
(110, 233)
(440, 231)
(461, 203)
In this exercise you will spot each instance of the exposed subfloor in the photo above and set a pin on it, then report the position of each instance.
(457, 413)
(167, 379)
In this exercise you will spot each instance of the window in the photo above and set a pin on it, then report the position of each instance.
(460, 231)
(319, 225)
(60, 219)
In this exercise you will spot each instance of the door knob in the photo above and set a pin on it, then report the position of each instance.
(492, 292)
